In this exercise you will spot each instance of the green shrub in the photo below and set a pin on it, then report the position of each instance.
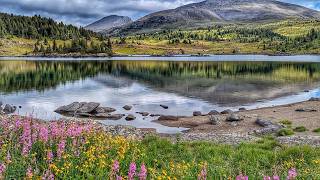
(285, 132)
(286, 122)
(300, 129)
(317, 130)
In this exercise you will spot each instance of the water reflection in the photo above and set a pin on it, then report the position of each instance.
(41, 86)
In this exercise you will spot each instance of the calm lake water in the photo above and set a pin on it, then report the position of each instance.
(185, 85)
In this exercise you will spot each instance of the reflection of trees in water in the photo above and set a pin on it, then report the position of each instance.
(27, 75)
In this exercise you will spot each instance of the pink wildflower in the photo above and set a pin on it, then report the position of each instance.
(115, 167)
(49, 156)
(118, 177)
(48, 175)
(44, 134)
(242, 177)
(132, 171)
(2, 169)
(203, 174)
(61, 148)
(29, 173)
(276, 178)
(292, 174)
(143, 172)
(25, 138)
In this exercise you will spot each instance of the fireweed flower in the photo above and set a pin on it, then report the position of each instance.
(132, 171)
(2, 169)
(292, 174)
(49, 156)
(115, 167)
(44, 134)
(242, 177)
(29, 173)
(143, 172)
(48, 175)
(118, 178)
(61, 148)
(203, 174)
(276, 178)
(25, 138)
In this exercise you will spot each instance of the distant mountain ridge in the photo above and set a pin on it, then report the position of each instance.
(219, 11)
(108, 23)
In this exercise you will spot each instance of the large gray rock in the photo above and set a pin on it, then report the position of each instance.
(69, 108)
(197, 113)
(99, 110)
(88, 107)
(228, 111)
(115, 116)
(8, 109)
(314, 99)
(130, 117)
(263, 122)
(268, 127)
(234, 117)
(127, 107)
(214, 112)
(214, 120)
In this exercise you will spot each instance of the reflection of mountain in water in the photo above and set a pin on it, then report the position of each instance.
(216, 82)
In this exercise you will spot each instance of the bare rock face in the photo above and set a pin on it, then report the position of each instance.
(8, 109)
(109, 22)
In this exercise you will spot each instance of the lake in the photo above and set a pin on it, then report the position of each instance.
(185, 84)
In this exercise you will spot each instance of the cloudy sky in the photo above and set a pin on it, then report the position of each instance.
(83, 12)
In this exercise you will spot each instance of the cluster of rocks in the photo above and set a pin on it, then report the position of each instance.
(94, 110)
(91, 109)
(7, 109)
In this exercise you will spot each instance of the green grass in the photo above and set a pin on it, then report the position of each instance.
(286, 122)
(317, 130)
(285, 132)
(300, 129)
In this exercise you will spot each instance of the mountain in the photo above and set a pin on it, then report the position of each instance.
(220, 11)
(108, 23)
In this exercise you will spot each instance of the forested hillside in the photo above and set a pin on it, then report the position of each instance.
(39, 27)
(43, 36)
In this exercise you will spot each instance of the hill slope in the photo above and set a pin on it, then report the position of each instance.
(109, 22)
(221, 11)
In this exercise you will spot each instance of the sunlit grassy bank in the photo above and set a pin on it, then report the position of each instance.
(73, 150)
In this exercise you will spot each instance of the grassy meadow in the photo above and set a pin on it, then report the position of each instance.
(269, 38)
(74, 150)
